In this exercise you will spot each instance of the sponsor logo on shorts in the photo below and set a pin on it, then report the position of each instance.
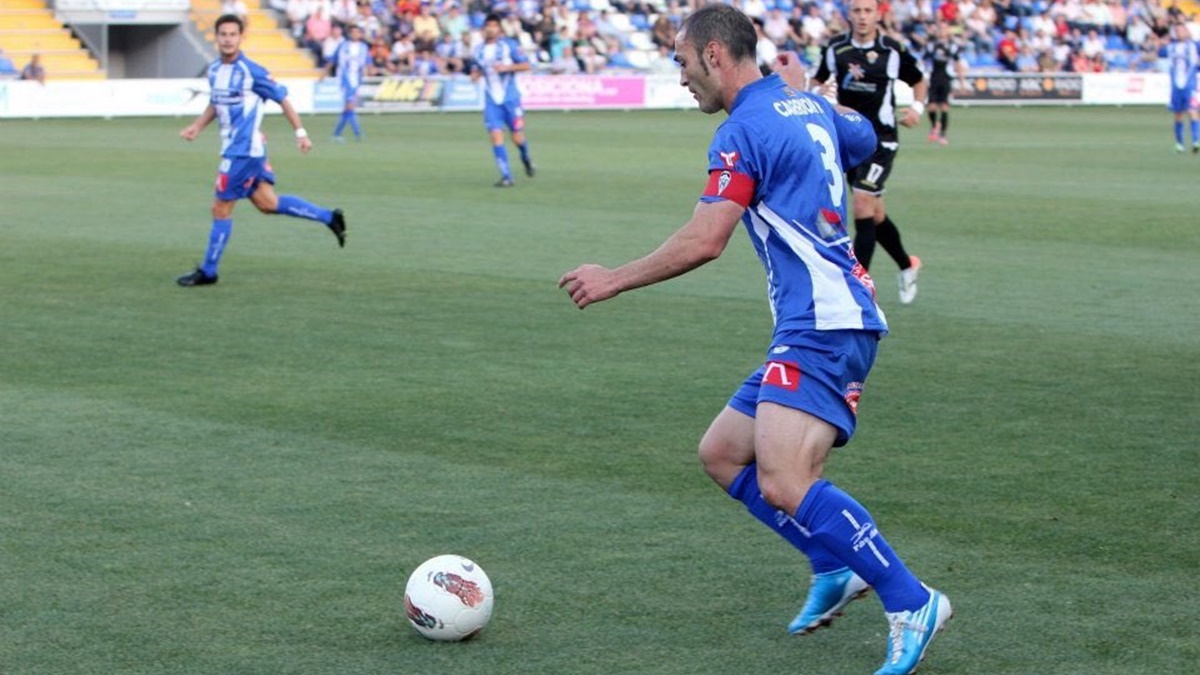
(782, 374)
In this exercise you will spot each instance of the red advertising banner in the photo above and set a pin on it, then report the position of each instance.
(581, 91)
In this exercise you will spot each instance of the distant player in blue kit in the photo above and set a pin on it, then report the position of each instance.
(777, 165)
(1183, 59)
(498, 60)
(350, 60)
(240, 89)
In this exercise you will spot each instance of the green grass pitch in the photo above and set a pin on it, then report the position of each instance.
(238, 479)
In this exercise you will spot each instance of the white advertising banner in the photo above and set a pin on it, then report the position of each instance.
(124, 98)
(1127, 89)
(180, 97)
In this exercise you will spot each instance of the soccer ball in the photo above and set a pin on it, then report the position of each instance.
(448, 598)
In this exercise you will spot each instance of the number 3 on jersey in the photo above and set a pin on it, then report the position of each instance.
(837, 184)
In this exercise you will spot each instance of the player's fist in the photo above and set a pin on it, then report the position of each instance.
(793, 71)
(589, 283)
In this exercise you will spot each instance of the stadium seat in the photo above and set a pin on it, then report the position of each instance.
(641, 41)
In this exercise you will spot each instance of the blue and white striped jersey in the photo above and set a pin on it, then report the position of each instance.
(1183, 58)
(351, 57)
(239, 92)
(781, 154)
(501, 88)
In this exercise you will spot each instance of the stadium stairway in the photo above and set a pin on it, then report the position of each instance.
(28, 27)
(265, 41)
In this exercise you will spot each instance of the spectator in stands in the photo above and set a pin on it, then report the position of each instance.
(454, 23)
(450, 54)
(564, 62)
(34, 70)
(426, 26)
(427, 64)
(1027, 60)
(948, 12)
(766, 50)
(590, 49)
(343, 12)
(755, 9)
(1120, 17)
(663, 35)
(297, 13)
(778, 29)
(1092, 45)
(809, 27)
(403, 52)
(370, 23)
(318, 28)
(235, 7)
(1008, 50)
(7, 67)
(331, 45)
(381, 55)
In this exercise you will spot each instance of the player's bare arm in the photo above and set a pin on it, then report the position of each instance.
(702, 239)
(191, 131)
(302, 140)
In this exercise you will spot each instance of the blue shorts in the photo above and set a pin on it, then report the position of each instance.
(1182, 100)
(499, 116)
(238, 178)
(819, 372)
(350, 95)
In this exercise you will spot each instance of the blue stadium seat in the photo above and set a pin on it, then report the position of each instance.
(1118, 59)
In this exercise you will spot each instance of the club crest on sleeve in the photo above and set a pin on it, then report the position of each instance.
(723, 181)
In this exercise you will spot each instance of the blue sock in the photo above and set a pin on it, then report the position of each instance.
(341, 125)
(1179, 131)
(524, 148)
(352, 116)
(218, 237)
(1195, 131)
(291, 205)
(501, 154)
(845, 528)
(745, 490)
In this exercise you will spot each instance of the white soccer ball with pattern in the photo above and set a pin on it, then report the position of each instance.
(448, 598)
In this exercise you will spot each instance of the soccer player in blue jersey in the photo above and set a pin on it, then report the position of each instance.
(240, 89)
(352, 57)
(1183, 59)
(498, 60)
(777, 165)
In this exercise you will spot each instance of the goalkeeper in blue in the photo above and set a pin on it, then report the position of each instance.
(777, 165)
(240, 89)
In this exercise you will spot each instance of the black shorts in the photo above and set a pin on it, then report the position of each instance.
(939, 91)
(871, 175)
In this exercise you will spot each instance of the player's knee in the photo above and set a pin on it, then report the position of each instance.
(719, 460)
(781, 492)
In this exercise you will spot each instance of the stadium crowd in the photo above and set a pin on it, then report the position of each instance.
(425, 37)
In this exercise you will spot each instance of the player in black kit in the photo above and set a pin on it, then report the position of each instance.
(945, 64)
(865, 65)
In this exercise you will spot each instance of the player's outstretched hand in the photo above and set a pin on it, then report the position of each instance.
(190, 132)
(792, 70)
(589, 283)
(305, 144)
(911, 118)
